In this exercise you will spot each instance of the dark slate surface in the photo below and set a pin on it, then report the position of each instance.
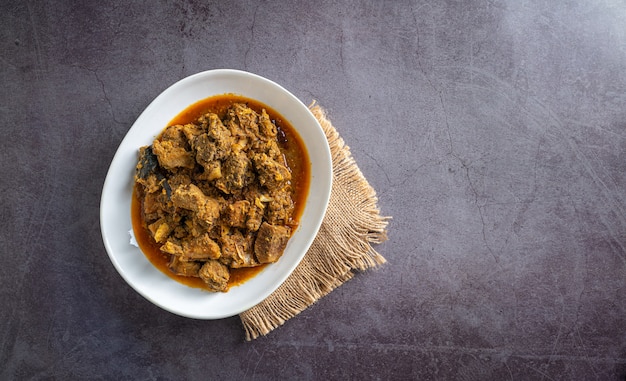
(493, 131)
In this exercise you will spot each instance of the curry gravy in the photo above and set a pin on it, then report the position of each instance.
(295, 154)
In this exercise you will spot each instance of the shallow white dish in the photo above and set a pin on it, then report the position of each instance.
(115, 218)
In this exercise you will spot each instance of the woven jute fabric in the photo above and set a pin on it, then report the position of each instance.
(342, 247)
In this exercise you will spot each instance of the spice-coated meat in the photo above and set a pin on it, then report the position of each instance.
(215, 275)
(184, 268)
(270, 242)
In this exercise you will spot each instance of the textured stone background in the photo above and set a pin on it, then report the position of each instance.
(493, 131)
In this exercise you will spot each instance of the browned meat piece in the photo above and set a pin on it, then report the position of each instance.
(194, 227)
(258, 202)
(175, 135)
(271, 173)
(279, 208)
(190, 197)
(191, 131)
(189, 249)
(268, 147)
(212, 171)
(235, 214)
(184, 268)
(206, 150)
(215, 275)
(172, 156)
(215, 144)
(151, 203)
(236, 173)
(200, 249)
(160, 230)
(255, 217)
(237, 249)
(173, 246)
(208, 189)
(209, 212)
(267, 129)
(271, 242)
(209, 150)
(181, 177)
(273, 151)
(217, 130)
(242, 120)
(150, 183)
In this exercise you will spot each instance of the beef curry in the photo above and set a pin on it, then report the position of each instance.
(219, 192)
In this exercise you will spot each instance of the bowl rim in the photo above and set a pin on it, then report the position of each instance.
(249, 85)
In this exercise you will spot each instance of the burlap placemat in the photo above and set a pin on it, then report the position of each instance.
(342, 246)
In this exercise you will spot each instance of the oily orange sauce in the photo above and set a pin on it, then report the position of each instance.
(292, 148)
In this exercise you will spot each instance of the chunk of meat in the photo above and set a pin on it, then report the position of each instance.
(191, 131)
(216, 129)
(172, 156)
(151, 203)
(279, 208)
(175, 134)
(267, 129)
(236, 173)
(268, 147)
(271, 173)
(237, 249)
(208, 150)
(215, 275)
(236, 214)
(190, 197)
(200, 249)
(213, 145)
(258, 201)
(255, 217)
(212, 171)
(180, 267)
(160, 230)
(270, 242)
(173, 246)
(242, 120)
(181, 177)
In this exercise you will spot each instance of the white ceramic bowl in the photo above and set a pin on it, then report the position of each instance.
(115, 220)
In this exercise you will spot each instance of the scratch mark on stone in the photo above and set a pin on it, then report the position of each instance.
(106, 96)
(252, 349)
(543, 374)
(445, 119)
(455, 349)
(478, 206)
(251, 41)
(33, 24)
(409, 176)
(257, 364)
(35, 237)
(378, 165)
(341, 49)
(586, 164)
(451, 151)
(559, 331)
